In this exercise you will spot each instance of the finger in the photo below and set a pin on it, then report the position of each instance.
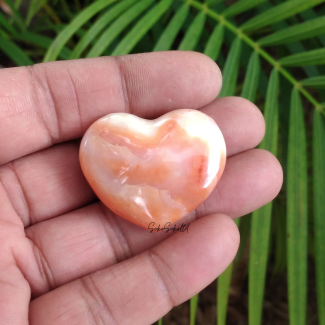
(92, 238)
(253, 178)
(49, 183)
(14, 289)
(240, 121)
(53, 102)
(144, 288)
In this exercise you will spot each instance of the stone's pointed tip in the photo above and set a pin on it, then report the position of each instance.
(153, 170)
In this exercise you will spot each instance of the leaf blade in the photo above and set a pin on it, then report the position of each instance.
(168, 36)
(261, 218)
(251, 77)
(319, 209)
(313, 57)
(42, 41)
(240, 7)
(214, 43)
(193, 33)
(278, 13)
(6, 24)
(14, 52)
(117, 27)
(193, 307)
(98, 26)
(230, 71)
(72, 28)
(223, 286)
(297, 213)
(308, 29)
(142, 26)
(316, 82)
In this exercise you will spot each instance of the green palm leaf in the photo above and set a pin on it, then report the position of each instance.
(213, 45)
(241, 6)
(261, 218)
(41, 41)
(14, 52)
(282, 11)
(99, 25)
(140, 29)
(314, 57)
(280, 233)
(319, 209)
(297, 213)
(193, 307)
(228, 89)
(6, 25)
(316, 82)
(223, 286)
(168, 36)
(193, 33)
(117, 27)
(230, 71)
(71, 29)
(251, 78)
(295, 33)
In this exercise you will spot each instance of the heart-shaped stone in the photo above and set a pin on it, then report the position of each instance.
(153, 170)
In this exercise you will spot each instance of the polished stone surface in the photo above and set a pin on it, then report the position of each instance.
(153, 170)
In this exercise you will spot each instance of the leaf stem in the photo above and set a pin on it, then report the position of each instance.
(237, 31)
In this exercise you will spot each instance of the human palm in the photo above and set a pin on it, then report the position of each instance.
(65, 258)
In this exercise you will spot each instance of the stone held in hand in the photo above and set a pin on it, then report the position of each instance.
(153, 170)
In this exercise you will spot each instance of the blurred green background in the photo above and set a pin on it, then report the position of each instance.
(270, 52)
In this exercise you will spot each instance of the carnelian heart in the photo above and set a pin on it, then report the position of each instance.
(153, 171)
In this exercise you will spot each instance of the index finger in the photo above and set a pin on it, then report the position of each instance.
(57, 101)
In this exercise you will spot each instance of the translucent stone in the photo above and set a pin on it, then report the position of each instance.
(153, 170)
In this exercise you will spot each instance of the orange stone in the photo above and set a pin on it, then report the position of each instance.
(153, 170)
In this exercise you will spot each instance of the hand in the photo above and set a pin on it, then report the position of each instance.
(65, 258)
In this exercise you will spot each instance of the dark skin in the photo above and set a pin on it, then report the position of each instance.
(65, 258)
